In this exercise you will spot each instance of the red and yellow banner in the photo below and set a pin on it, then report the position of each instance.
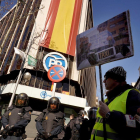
(62, 26)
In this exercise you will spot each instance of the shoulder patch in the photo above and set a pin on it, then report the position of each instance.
(46, 118)
(9, 113)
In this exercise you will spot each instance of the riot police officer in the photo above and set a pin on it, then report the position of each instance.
(69, 127)
(79, 130)
(50, 123)
(92, 119)
(16, 118)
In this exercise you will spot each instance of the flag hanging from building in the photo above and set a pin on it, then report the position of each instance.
(19, 52)
(62, 25)
(32, 61)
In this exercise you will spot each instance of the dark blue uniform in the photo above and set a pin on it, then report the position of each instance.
(18, 118)
(51, 122)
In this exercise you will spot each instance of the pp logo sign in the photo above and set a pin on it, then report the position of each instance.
(54, 58)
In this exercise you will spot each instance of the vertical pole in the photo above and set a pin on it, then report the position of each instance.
(102, 98)
(52, 86)
(53, 91)
(101, 84)
(23, 62)
(17, 82)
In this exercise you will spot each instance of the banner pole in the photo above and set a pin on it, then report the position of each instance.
(101, 84)
(102, 99)
(17, 82)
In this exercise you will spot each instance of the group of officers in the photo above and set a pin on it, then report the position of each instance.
(49, 124)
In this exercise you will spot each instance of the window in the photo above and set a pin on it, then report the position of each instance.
(65, 89)
(58, 87)
(37, 83)
(47, 85)
(32, 81)
(122, 29)
(19, 62)
(120, 22)
(114, 32)
(28, 37)
(112, 19)
(113, 25)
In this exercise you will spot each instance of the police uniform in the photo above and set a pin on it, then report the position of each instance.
(51, 122)
(79, 129)
(91, 122)
(17, 118)
(68, 131)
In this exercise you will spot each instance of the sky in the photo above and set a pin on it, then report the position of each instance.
(9, 5)
(106, 9)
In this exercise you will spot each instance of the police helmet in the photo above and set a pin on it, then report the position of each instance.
(21, 100)
(92, 113)
(53, 100)
(82, 112)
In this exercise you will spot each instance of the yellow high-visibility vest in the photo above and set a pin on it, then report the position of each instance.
(118, 104)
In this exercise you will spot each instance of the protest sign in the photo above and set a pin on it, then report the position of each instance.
(109, 41)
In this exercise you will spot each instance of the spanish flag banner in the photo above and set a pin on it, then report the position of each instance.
(61, 27)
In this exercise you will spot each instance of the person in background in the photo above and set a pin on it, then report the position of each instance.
(119, 108)
(65, 125)
(80, 127)
(68, 130)
(71, 116)
(92, 119)
(50, 123)
(16, 118)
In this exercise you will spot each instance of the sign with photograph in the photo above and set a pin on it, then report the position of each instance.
(109, 41)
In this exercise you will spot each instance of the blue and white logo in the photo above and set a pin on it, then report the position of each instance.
(44, 94)
(54, 58)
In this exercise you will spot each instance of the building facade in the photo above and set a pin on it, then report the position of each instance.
(137, 84)
(38, 27)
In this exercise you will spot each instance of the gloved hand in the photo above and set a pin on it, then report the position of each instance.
(9, 127)
(46, 135)
(1, 132)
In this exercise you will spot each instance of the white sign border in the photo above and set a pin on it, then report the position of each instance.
(50, 54)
